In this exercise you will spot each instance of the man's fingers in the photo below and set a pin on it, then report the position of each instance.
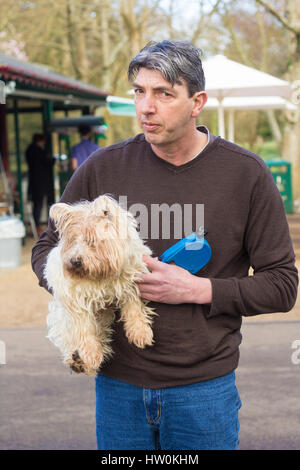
(148, 293)
(152, 263)
(151, 278)
(146, 279)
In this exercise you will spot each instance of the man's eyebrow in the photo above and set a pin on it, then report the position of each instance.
(136, 85)
(158, 88)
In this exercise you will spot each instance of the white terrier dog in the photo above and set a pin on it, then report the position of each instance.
(92, 272)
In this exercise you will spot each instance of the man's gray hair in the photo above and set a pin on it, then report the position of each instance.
(175, 60)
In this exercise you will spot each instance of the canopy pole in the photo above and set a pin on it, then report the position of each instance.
(221, 120)
(231, 125)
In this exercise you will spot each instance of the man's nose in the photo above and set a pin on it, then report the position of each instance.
(148, 105)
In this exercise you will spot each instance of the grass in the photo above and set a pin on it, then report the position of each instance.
(268, 150)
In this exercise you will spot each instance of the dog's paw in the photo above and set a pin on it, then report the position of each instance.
(93, 364)
(76, 363)
(140, 334)
(85, 367)
(92, 354)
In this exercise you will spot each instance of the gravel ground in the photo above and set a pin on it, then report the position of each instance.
(23, 302)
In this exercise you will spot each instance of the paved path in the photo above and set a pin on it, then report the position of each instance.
(269, 385)
(43, 406)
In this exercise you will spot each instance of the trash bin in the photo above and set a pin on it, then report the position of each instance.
(12, 230)
(282, 174)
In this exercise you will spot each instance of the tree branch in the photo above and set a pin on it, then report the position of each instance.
(264, 42)
(47, 45)
(202, 19)
(277, 15)
(71, 40)
(237, 42)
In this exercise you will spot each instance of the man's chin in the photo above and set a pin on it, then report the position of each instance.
(152, 138)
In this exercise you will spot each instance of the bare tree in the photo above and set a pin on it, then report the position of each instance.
(289, 18)
(256, 40)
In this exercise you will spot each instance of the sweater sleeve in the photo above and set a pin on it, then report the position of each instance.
(76, 190)
(274, 283)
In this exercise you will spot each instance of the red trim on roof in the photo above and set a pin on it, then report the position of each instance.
(16, 73)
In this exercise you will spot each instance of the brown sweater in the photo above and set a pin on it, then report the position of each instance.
(246, 223)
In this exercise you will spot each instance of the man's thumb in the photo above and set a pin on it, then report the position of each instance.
(152, 263)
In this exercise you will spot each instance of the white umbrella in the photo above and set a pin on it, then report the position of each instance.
(226, 78)
(264, 103)
(253, 102)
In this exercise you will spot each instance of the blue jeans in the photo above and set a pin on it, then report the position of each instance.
(199, 416)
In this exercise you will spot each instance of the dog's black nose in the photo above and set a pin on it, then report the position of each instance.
(75, 262)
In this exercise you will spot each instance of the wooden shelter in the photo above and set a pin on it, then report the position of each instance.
(33, 88)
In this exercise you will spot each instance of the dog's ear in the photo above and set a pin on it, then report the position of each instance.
(60, 213)
(104, 205)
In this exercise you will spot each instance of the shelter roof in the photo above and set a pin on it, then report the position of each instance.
(225, 77)
(39, 77)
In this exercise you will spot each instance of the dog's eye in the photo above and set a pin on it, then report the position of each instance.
(89, 242)
(105, 213)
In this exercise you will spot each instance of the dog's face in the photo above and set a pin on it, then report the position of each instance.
(94, 237)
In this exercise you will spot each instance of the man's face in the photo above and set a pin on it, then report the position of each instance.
(164, 112)
(41, 143)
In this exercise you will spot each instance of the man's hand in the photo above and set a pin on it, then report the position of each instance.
(171, 284)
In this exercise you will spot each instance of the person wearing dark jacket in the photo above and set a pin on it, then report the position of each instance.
(40, 177)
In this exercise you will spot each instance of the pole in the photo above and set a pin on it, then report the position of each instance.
(18, 157)
(47, 116)
(231, 125)
(3, 136)
(221, 120)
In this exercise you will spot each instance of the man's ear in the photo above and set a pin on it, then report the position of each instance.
(200, 99)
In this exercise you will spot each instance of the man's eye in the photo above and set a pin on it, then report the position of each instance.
(165, 94)
(138, 91)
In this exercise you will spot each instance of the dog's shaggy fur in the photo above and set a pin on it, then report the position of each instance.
(92, 272)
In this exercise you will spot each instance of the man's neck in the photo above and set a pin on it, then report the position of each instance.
(181, 153)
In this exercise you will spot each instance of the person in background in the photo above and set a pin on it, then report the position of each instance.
(81, 151)
(40, 177)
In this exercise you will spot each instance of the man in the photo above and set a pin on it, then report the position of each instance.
(81, 151)
(40, 177)
(180, 393)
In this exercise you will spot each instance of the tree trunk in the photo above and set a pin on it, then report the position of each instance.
(105, 69)
(82, 55)
(291, 138)
(274, 127)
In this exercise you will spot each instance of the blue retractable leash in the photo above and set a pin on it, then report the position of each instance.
(191, 253)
